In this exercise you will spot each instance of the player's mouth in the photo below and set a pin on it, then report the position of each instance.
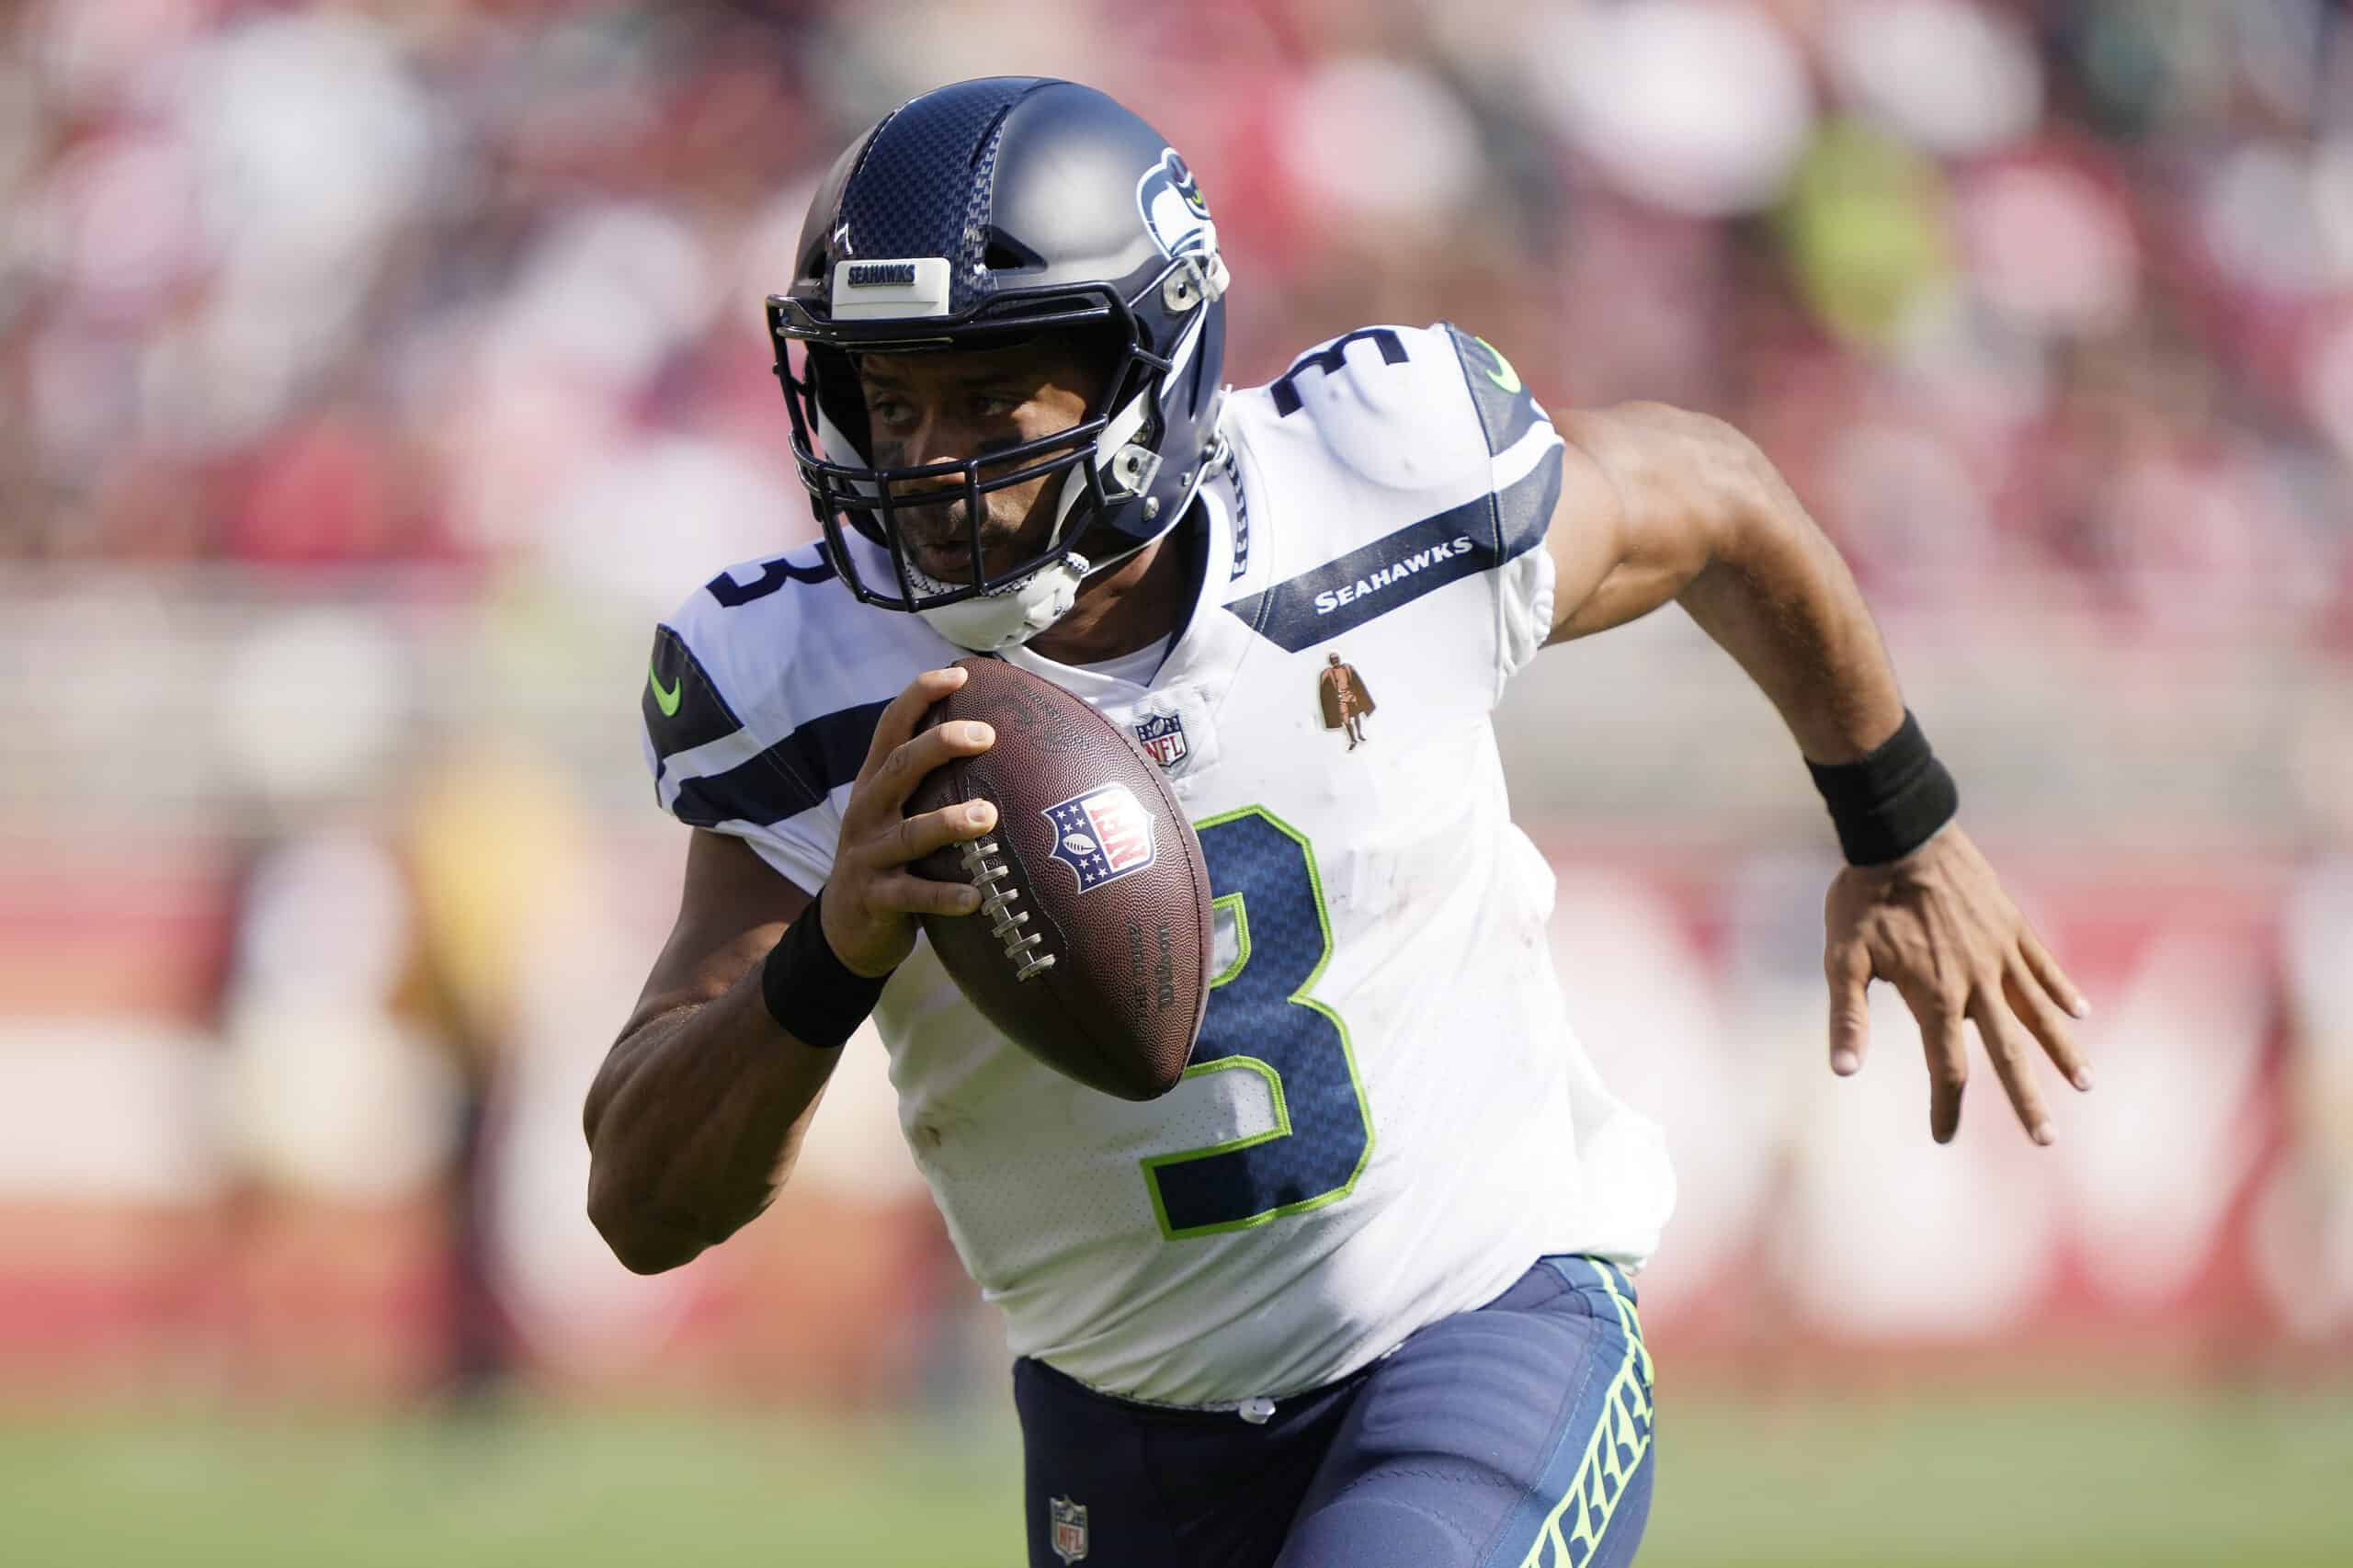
(939, 542)
(946, 561)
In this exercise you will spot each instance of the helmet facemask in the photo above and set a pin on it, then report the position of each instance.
(1109, 458)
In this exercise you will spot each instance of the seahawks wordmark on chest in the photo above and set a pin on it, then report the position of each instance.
(1398, 568)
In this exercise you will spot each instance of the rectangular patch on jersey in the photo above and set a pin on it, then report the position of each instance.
(1162, 736)
(1102, 836)
(1393, 570)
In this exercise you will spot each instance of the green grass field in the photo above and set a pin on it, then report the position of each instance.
(2078, 1481)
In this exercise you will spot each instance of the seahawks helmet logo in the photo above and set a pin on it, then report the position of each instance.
(1173, 208)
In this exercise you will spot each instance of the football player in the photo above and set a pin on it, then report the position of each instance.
(1356, 1292)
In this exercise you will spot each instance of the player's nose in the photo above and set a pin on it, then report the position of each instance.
(938, 437)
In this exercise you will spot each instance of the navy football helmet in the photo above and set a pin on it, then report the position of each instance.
(976, 215)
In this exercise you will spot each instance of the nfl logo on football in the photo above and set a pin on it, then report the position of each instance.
(1070, 1529)
(1163, 736)
(1102, 836)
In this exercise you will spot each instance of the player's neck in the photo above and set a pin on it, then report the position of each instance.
(1132, 606)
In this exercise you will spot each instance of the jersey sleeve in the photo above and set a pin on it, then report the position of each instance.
(727, 751)
(1524, 453)
(1414, 477)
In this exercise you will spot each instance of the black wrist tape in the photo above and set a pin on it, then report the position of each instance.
(1892, 801)
(812, 994)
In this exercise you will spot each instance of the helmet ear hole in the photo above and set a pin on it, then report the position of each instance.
(1006, 253)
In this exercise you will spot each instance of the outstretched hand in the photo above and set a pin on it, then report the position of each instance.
(1937, 926)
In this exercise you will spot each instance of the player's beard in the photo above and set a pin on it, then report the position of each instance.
(938, 536)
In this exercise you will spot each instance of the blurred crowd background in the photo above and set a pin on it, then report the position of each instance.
(373, 375)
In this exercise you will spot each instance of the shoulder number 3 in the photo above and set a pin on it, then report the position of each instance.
(1330, 360)
(1262, 1019)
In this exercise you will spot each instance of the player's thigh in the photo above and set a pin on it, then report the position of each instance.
(1517, 1436)
(1140, 1487)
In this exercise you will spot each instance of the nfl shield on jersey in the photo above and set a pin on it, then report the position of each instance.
(1388, 1117)
(1162, 735)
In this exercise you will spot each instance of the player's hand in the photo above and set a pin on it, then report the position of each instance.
(1939, 927)
(871, 898)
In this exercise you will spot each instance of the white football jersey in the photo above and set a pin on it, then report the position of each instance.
(1387, 1117)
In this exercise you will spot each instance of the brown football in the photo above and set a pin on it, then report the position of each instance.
(1091, 949)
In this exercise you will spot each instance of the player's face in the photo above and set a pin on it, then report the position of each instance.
(924, 408)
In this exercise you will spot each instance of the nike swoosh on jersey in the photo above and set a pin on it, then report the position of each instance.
(1507, 409)
(667, 700)
(1501, 373)
(687, 712)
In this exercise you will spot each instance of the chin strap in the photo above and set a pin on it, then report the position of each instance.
(990, 623)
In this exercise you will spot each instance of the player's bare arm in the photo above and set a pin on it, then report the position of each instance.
(1660, 504)
(697, 1115)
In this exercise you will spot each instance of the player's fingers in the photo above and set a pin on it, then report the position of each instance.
(2041, 1016)
(1948, 1050)
(916, 837)
(2046, 971)
(1847, 966)
(2013, 1059)
(911, 761)
(903, 712)
(910, 894)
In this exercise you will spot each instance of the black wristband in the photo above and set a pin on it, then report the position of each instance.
(1890, 802)
(812, 994)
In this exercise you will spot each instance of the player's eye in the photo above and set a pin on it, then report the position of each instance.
(997, 405)
(888, 410)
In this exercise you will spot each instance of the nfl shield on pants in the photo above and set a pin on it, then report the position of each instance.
(1069, 1528)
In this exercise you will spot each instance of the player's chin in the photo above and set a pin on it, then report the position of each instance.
(948, 558)
(952, 564)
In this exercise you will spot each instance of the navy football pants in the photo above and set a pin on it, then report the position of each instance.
(1517, 1436)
